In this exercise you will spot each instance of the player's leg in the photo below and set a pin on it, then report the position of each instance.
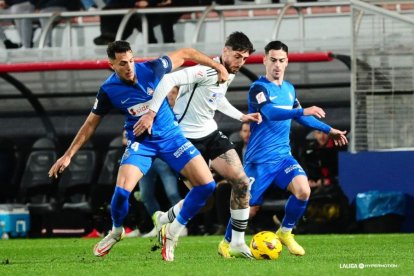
(263, 176)
(184, 158)
(229, 166)
(296, 205)
(135, 162)
(160, 218)
(128, 177)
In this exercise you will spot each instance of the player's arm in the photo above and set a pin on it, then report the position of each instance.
(274, 112)
(85, 132)
(228, 109)
(190, 75)
(101, 107)
(185, 54)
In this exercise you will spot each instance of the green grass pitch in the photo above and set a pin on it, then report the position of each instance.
(379, 254)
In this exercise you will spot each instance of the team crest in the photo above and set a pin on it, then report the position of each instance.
(213, 98)
(164, 62)
(200, 74)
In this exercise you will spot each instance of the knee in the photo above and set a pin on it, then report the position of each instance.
(303, 193)
(241, 182)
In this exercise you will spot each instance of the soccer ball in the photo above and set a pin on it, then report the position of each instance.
(265, 245)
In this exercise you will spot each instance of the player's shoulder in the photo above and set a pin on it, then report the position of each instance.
(109, 84)
(259, 84)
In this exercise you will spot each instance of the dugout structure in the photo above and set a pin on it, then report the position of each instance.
(382, 81)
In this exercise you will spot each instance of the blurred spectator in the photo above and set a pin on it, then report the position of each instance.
(110, 23)
(320, 160)
(147, 186)
(24, 27)
(244, 135)
(328, 210)
(53, 6)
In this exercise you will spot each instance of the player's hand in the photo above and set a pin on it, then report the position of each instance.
(252, 117)
(339, 137)
(315, 111)
(144, 123)
(223, 75)
(60, 165)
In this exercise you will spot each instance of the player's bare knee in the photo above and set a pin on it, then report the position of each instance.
(303, 193)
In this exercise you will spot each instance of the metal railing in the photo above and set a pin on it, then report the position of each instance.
(202, 19)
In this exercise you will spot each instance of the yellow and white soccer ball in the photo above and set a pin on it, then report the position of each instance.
(265, 245)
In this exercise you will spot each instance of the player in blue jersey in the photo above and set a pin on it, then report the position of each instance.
(268, 156)
(129, 89)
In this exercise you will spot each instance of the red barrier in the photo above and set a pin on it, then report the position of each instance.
(103, 63)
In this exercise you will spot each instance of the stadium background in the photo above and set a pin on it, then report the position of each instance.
(324, 26)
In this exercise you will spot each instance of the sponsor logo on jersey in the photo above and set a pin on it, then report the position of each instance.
(293, 167)
(95, 105)
(260, 97)
(124, 101)
(272, 98)
(138, 109)
(164, 62)
(181, 149)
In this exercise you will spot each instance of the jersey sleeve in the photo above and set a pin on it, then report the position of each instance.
(189, 75)
(102, 104)
(161, 66)
(258, 96)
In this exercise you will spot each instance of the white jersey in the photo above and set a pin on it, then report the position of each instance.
(209, 96)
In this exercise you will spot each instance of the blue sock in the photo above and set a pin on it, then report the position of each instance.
(294, 210)
(194, 201)
(227, 235)
(119, 206)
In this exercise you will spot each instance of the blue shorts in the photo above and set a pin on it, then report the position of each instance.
(176, 151)
(266, 174)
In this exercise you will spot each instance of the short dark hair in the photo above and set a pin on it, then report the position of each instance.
(276, 45)
(119, 46)
(238, 41)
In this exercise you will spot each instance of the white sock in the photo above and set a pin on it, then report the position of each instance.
(170, 215)
(239, 220)
(175, 228)
(117, 230)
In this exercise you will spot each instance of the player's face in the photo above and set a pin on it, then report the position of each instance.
(275, 62)
(124, 66)
(234, 60)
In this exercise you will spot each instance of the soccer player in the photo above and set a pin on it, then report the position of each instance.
(199, 96)
(268, 156)
(129, 89)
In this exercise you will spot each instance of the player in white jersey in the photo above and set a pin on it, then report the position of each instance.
(268, 158)
(199, 96)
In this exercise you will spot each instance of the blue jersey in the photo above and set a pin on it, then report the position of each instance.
(133, 99)
(269, 141)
